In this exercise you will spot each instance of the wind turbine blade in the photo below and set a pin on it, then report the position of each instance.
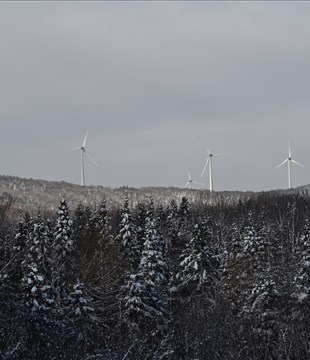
(84, 142)
(77, 148)
(91, 158)
(208, 151)
(222, 154)
(188, 174)
(289, 150)
(282, 163)
(295, 162)
(204, 169)
(198, 183)
(186, 185)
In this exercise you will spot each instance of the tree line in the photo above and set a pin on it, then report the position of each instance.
(223, 280)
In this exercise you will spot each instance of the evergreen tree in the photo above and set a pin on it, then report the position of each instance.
(80, 304)
(185, 221)
(146, 300)
(81, 220)
(176, 237)
(42, 262)
(184, 210)
(302, 279)
(128, 238)
(256, 249)
(140, 227)
(106, 253)
(173, 225)
(262, 313)
(12, 271)
(151, 209)
(103, 222)
(199, 265)
(63, 257)
(81, 314)
(250, 237)
(35, 280)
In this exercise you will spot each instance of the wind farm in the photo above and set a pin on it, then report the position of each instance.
(190, 184)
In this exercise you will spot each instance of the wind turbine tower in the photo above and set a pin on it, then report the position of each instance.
(289, 160)
(209, 162)
(84, 152)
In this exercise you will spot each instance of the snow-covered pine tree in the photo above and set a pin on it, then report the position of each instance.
(87, 236)
(250, 236)
(106, 251)
(262, 314)
(12, 271)
(16, 314)
(302, 278)
(130, 251)
(36, 267)
(42, 243)
(161, 218)
(85, 220)
(80, 304)
(173, 225)
(184, 219)
(256, 247)
(184, 209)
(140, 226)
(231, 263)
(146, 300)
(234, 245)
(255, 240)
(198, 267)
(63, 259)
(103, 222)
(175, 235)
(80, 219)
(151, 208)
(81, 315)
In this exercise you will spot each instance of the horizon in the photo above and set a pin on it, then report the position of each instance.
(151, 186)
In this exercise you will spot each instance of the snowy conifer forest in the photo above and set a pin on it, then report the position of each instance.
(184, 280)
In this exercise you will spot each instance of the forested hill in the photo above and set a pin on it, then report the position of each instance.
(194, 280)
(153, 273)
(33, 195)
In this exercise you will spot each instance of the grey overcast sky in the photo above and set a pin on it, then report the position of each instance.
(149, 78)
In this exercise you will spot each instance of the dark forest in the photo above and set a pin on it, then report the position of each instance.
(188, 280)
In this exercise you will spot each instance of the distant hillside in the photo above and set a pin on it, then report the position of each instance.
(33, 195)
(304, 188)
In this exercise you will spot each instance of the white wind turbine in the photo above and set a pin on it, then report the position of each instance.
(191, 181)
(83, 151)
(289, 160)
(209, 162)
